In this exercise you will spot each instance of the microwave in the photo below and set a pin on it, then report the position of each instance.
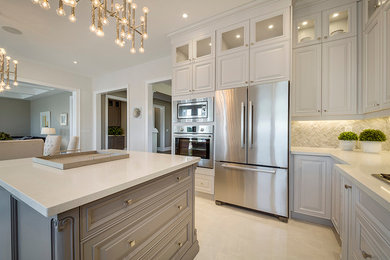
(193, 110)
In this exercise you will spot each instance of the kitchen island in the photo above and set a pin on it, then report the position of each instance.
(136, 208)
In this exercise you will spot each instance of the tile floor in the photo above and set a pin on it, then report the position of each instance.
(227, 232)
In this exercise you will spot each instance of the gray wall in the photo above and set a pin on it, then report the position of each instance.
(168, 121)
(56, 104)
(15, 116)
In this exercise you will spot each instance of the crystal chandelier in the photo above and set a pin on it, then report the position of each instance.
(5, 71)
(123, 13)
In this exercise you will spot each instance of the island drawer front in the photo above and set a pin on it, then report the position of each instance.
(377, 215)
(98, 215)
(367, 243)
(172, 243)
(128, 237)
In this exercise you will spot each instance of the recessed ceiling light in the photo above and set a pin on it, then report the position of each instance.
(335, 15)
(238, 36)
(299, 27)
(12, 30)
(75, 62)
(185, 15)
(271, 26)
(210, 44)
(305, 23)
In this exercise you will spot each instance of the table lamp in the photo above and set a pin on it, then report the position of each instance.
(48, 131)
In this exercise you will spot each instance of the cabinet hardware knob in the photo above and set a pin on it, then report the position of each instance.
(180, 244)
(246, 82)
(377, 105)
(180, 207)
(365, 255)
(132, 243)
(325, 110)
(319, 38)
(252, 43)
(347, 186)
(319, 111)
(128, 202)
(252, 81)
(325, 37)
(178, 178)
(246, 45)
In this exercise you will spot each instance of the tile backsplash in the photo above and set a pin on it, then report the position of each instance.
(325, 133)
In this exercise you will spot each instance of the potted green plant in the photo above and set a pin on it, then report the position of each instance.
(348, 140)
(371, 140)
(5, 136)
(116, 139)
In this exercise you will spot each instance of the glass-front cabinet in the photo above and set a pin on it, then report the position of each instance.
(370, 8)
(190, 51)
(233, 38)
(339, 22)
(307, 30)
(203, 47)
(183, 53)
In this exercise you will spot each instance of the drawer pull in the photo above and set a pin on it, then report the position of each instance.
(180, 207)
(178, 178)
(128, 202)
(132, 243)
(365, 255)
(347, 186)
(180, 244)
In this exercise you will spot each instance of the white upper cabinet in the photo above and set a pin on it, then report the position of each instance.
(182, 80)
(203, 48)
(339, 86)
(270, 62)
(270, 28)
(371, 10)
(203, 76)
(233, 70)
(233, 38)
(307, 30)
(306, 82)
(386, 56)
(372, 67)
(340, 22)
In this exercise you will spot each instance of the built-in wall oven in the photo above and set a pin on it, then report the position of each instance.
(195, 141)
(193, 110)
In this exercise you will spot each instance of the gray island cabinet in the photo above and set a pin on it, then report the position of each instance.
(151, 219)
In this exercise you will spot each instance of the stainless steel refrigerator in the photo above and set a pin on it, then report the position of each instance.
(252, 147)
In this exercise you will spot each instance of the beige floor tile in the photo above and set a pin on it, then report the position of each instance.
(229, 233)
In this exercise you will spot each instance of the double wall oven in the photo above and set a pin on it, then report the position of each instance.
(193, 110)
(196, 140)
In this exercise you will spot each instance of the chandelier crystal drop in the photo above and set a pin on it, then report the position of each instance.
(122, 12)
(5, 71)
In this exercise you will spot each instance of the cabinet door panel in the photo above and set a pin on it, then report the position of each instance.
(182, 53)
(306, 89)
(312, 194)
(232, 70)
(339, 90)
(182, 77)
(203, 76)
(336, 200)
(307, 30)
(233, 38)
(270, 62)
(372, 68)
(339, 22)
(346, 218)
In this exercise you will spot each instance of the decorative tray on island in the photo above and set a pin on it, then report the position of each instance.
(78, 159)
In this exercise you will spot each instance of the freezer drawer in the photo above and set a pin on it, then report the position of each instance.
(259, 188)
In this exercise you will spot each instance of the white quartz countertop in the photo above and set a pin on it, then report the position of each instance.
(358, 167)
(52, 191)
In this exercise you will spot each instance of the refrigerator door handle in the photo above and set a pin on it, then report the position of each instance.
(242, 125)
(236, 167)
(250, 124)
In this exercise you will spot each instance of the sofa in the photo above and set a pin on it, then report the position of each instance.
(16, 149)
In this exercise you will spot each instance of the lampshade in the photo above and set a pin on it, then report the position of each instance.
(48, 131)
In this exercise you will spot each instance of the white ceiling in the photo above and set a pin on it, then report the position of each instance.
(53, 40)
(29, 91)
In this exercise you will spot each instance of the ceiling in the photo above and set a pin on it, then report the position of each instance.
(28, 91)
(49, 39)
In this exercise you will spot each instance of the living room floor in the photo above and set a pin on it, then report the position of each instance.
(228, 232)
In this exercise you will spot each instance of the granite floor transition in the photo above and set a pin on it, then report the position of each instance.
(227, 232)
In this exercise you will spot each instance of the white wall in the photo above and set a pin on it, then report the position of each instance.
(135, 79)
(37, 73)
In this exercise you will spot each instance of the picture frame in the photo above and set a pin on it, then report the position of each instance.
(45, 119)
(63, 119)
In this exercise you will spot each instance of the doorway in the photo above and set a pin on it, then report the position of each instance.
(162, 117)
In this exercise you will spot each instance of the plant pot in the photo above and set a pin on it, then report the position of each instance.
(371, 147)
(347, 145)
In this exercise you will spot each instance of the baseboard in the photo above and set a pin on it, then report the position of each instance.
(204, 195)
(192, 251)
(311, 219)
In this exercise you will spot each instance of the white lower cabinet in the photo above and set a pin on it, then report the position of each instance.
(204, 180)
(346, 216)
(312, 180)
(336, 200)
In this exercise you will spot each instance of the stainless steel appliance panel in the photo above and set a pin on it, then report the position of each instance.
(259, 188)
(230, 125)
(268, 118)
(193, 110)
